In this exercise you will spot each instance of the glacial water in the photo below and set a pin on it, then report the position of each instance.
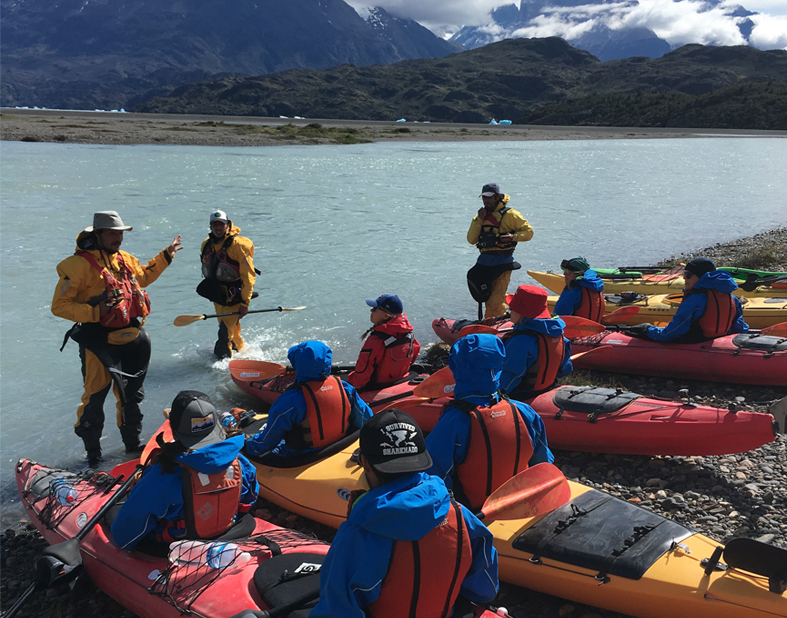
(332, 225)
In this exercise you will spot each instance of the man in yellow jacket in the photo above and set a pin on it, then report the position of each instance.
(229, 276)
(100, 289)
(495, 230)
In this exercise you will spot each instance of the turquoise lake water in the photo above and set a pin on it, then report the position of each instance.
(333, 226)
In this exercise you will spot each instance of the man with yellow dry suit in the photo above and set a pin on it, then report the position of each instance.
(495, 230)
(229, 276)
(100, 289)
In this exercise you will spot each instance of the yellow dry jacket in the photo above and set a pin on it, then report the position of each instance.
(80, 281)
(241, 250)
(512, 222)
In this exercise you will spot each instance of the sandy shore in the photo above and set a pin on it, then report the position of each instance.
(78, 127)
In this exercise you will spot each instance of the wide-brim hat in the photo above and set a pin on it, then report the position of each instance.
(530, 301)
(394, 444)
(194, 420)
(107, 220)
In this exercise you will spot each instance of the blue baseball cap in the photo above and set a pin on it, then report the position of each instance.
(387, 302)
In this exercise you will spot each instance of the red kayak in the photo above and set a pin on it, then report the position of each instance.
(605, 420)
(425, 413)
(152, 587)
(740, 359)
(280, 566)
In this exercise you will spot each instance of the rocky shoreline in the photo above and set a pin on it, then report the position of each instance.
(722, 496)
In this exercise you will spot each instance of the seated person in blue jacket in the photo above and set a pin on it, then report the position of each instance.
(708, 309)
(406, 549)
(316, 411)
(172, 500)
(537, 353)
(483, 438)
(583, 295)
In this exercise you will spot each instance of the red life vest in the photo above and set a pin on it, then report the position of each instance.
(210, 500)
(218, 265)
(488, 239)
(592, 305)
(719, 314)
(130, 300)
(327, 414)
(419, 582)
(499, 448)
(400, 352)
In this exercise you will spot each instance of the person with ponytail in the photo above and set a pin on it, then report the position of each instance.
(389, 348)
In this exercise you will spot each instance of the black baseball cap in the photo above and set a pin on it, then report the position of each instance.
(394, 443)
(491, 189)
(194, 420)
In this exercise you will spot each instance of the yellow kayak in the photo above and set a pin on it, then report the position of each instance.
(596, 549)
(650, 285)
(659, 308)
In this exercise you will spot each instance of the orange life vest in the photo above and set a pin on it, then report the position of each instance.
(210, 500)
(419, 583)
(592, 305)
(499, 448)
(130, 300)
(719, 314)
(543, 372)
(327, 414)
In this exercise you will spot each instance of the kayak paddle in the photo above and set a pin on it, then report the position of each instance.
(62, 563)
(248, 370)
(539, 489)
(620, 315)
(185, 320)
(580, 327)
(777, 330)
(753, 281)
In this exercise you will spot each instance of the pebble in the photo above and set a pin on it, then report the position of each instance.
(721, 496)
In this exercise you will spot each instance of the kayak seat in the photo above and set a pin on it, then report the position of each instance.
(287, 577)
(598, 532)
(762, 343)
(624, 298)
(304, 459)
(591, 400)
(760, 558)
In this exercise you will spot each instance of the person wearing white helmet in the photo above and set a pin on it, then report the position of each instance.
(229, 276)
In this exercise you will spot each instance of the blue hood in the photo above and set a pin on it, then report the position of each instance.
(551, 327)
(215, 457)
(719, 280)
(591, 281)
(405, 509)
(311, 360)
(476, 362)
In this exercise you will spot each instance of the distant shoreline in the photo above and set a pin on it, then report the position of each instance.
(85, 127)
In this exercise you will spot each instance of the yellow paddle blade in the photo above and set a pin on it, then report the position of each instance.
(254, 370)
(185, 320)
(292, 308)
(439, 384)
(539, 489)
(620, 315)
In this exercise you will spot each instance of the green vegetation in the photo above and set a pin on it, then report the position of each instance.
(763, 258)
(750, 105)
(312, 131)
(535, 81)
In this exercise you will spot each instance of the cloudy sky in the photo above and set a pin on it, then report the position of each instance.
(677, 21)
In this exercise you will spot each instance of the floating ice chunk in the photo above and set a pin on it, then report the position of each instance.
(493, 121)
(401, 120)
(505, 122)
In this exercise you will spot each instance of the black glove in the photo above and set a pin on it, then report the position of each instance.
(640, 330)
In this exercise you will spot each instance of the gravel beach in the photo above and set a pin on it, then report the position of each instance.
(722, 496)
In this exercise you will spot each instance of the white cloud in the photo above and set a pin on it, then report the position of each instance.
(676, 21)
